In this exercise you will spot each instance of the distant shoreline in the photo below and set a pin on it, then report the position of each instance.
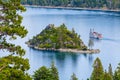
(72, 8)
(93, 51)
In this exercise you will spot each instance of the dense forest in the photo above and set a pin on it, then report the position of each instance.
(102, 4)
(56, 38)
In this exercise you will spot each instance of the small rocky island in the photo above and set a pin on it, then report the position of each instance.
(59, 39)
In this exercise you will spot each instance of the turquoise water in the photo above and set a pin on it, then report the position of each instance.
(107, 23)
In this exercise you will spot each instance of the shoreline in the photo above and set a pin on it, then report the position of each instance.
(93, 51)
(73, 8)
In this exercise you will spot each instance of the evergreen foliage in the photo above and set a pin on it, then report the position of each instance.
(98, 72)
(109, 4)
(44, 73)
(115, 77)
(54, 72)
(107, 76)
(73, 77)
(117, 73)
(13, 66)
(56, 38)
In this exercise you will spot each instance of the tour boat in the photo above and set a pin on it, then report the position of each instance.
(94, 34)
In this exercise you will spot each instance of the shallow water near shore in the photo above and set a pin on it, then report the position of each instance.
(107, 23)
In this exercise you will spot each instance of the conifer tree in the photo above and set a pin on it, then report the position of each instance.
(115, 76)
(45, 73)
(73, 77)
(98, 72)
(54, 72)
(117, 73)
(107, 76)
(42, 73)
(12, 66)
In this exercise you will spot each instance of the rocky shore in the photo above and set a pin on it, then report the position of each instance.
(93, 51)
(71, 42)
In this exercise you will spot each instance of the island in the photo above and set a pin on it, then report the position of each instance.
(59, 39)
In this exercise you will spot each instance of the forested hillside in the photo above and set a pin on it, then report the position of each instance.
(105, 4)
(57, 37)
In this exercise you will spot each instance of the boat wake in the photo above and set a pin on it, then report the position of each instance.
(110, 39)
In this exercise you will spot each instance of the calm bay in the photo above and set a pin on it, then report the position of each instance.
(107, 23)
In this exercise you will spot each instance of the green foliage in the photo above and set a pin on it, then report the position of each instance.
(57, 37)
(107, 76)
(109, 4)
(117, 73)
(44, 73)
(13, 66)
(54, 72)
(98, 72)
(115, 77)
(73, 77)
(10, 24)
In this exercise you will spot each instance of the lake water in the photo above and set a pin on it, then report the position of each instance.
(107, 23)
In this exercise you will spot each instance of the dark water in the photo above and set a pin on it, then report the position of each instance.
(107, 23)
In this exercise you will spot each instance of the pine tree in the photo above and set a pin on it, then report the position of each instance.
(42, 73)
(98, 72)
(45, 73)
(115, 76)
(73, 77)
(107, 76)
(54, 72)
(13, 66)
(117, 73)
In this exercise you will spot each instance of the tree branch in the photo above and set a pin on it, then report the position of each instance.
(2, 68)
